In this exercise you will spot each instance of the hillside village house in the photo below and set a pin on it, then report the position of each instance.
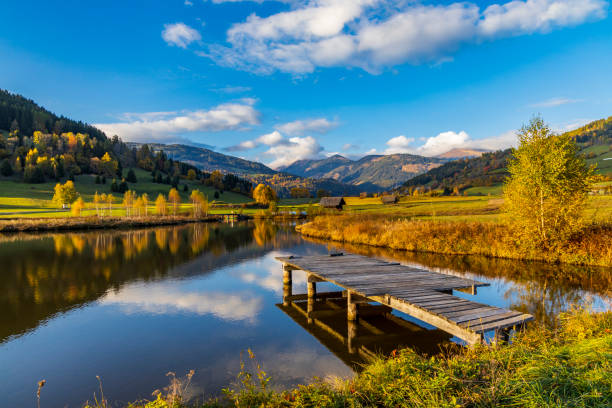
(389, 199)
(332, 202)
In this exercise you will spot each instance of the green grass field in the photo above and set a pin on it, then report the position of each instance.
(19, 199)
(461, 208)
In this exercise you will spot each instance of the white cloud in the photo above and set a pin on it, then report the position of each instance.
(298, 148)
(399, 144)
(552, 102)
(282, 151)
(270, 139)
(233, 89)
(188, 3)
(374, 34)
(180, 35)
(571, 125)
(299, 127)
(445, 141)
(350, 147)
(161, 125)
(524, 17)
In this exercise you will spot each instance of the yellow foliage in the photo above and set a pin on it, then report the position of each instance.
(77, 207)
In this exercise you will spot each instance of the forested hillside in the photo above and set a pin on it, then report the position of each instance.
(594, 140)
(209, 160)
(37, 146)
(282, 182)
(19, 113)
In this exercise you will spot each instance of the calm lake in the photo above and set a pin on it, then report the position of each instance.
(130, 306)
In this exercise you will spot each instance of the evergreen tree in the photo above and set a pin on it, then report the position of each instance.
(6, 169)
(131, 176)
(123, 186)
(33, 174)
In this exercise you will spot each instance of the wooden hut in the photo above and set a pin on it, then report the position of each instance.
(332, 202)
(389, 199)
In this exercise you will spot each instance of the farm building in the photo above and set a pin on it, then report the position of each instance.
(389, 199)
(332, 202)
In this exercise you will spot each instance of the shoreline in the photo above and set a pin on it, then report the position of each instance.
(594, 248)
(95, 223)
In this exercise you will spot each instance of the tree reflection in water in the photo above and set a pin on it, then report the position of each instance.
(46, 274)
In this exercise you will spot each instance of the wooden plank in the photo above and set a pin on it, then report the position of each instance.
(513, 321)
(475, 309)
(442, 310)
(472, 323)
(431, 304)
(468, 335)
(423, 298)
(465, 318)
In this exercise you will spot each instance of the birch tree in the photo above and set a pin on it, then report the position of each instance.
(548, 186)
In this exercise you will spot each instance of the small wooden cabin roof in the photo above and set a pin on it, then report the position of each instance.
(389, 199)
(330, 202)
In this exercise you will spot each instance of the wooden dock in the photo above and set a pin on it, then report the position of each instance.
(422, 294)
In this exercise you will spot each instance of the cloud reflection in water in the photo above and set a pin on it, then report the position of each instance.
(171, 297)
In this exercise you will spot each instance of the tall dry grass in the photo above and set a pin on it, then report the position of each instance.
(592, 246)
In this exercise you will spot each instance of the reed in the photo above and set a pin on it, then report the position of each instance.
(592, 246)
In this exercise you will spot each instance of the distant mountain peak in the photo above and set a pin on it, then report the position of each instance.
(461, 153)
(375, 172)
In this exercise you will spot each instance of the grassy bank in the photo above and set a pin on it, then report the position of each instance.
(592, 247)
(564, 367)
(87, 223)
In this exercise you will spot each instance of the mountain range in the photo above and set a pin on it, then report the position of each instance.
(371, 173)
(209, 160)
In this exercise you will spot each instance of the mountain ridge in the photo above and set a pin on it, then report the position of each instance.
(282, 182)
(374, 172)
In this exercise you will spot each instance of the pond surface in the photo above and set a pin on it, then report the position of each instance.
(130, 306)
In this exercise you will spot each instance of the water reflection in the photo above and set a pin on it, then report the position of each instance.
(51, 273)
(358, 342)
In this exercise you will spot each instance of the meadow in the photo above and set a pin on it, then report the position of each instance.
(22, 200)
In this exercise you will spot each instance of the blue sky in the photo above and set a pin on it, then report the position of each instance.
(278, 81)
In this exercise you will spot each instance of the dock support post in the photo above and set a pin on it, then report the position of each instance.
(351, 334)
(311, 285)
(287, 284)
(502, 335)
(351, 308)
